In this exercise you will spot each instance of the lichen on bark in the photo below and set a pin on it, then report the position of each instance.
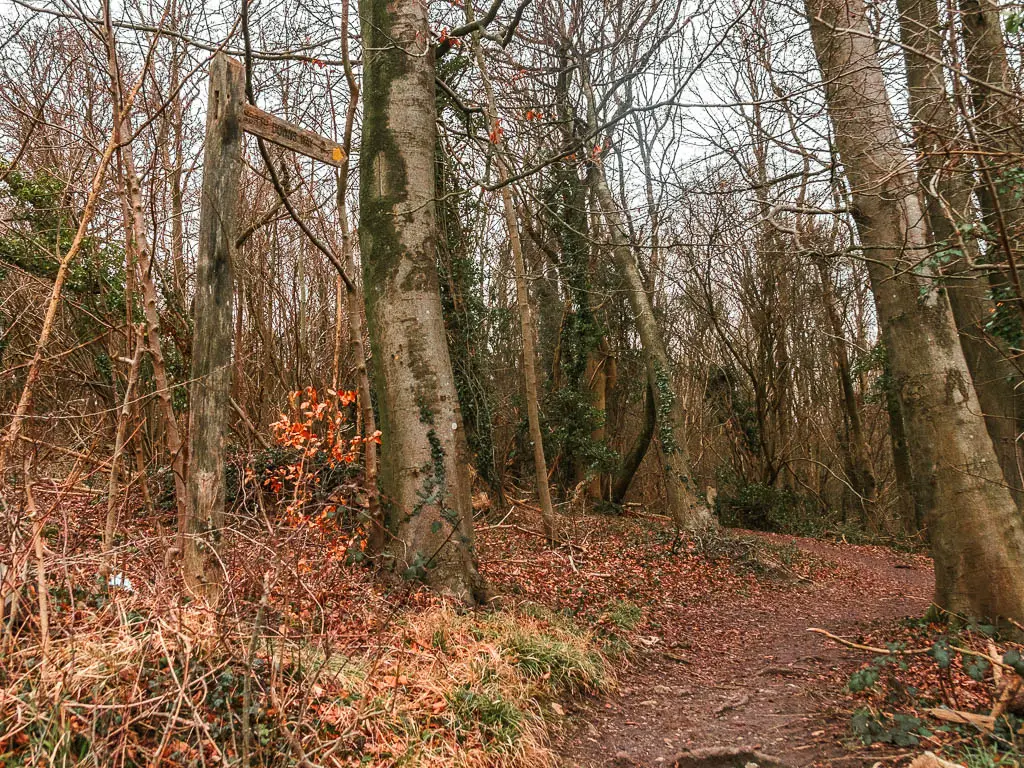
(424, 477)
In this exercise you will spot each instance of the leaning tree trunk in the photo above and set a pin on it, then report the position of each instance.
(685, 505)
(172, 435)
(210, 392)
(977, 535)
(424, 479)
(139, 240)
(633, 458)
(997, 381)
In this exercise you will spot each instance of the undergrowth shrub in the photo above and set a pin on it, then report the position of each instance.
(900, 729)
(311, 471)
(761, 507)
(566, 663)
(497, 720)
(624, 614)
(306, 661)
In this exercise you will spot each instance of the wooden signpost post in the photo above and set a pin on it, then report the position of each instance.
(228, 118)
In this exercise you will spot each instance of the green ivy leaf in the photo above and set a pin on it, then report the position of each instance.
(941, 653)
(863, 679)
(1012, 658)
(977, 668)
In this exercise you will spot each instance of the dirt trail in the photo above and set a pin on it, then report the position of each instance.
(745, 672)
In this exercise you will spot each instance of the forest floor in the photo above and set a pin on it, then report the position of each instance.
(741, 670)
(625, 646)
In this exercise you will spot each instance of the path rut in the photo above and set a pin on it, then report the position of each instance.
(744, 672)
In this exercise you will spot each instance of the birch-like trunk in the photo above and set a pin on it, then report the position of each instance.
(144, 262)
(144, 259)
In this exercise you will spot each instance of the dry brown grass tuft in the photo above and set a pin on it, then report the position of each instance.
(149, 679)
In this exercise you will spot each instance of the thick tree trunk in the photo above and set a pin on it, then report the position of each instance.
(948, 189)
(425, 481)
(210, 392)
(997, 137)
(977, 534)
(685, 504)
(995, 128)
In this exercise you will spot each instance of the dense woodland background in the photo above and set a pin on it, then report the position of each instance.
(748, 262)
(716, 142)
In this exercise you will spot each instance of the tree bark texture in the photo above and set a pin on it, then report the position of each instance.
(424, 477)
(948, 192)
(210, 390)
(976, 532)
